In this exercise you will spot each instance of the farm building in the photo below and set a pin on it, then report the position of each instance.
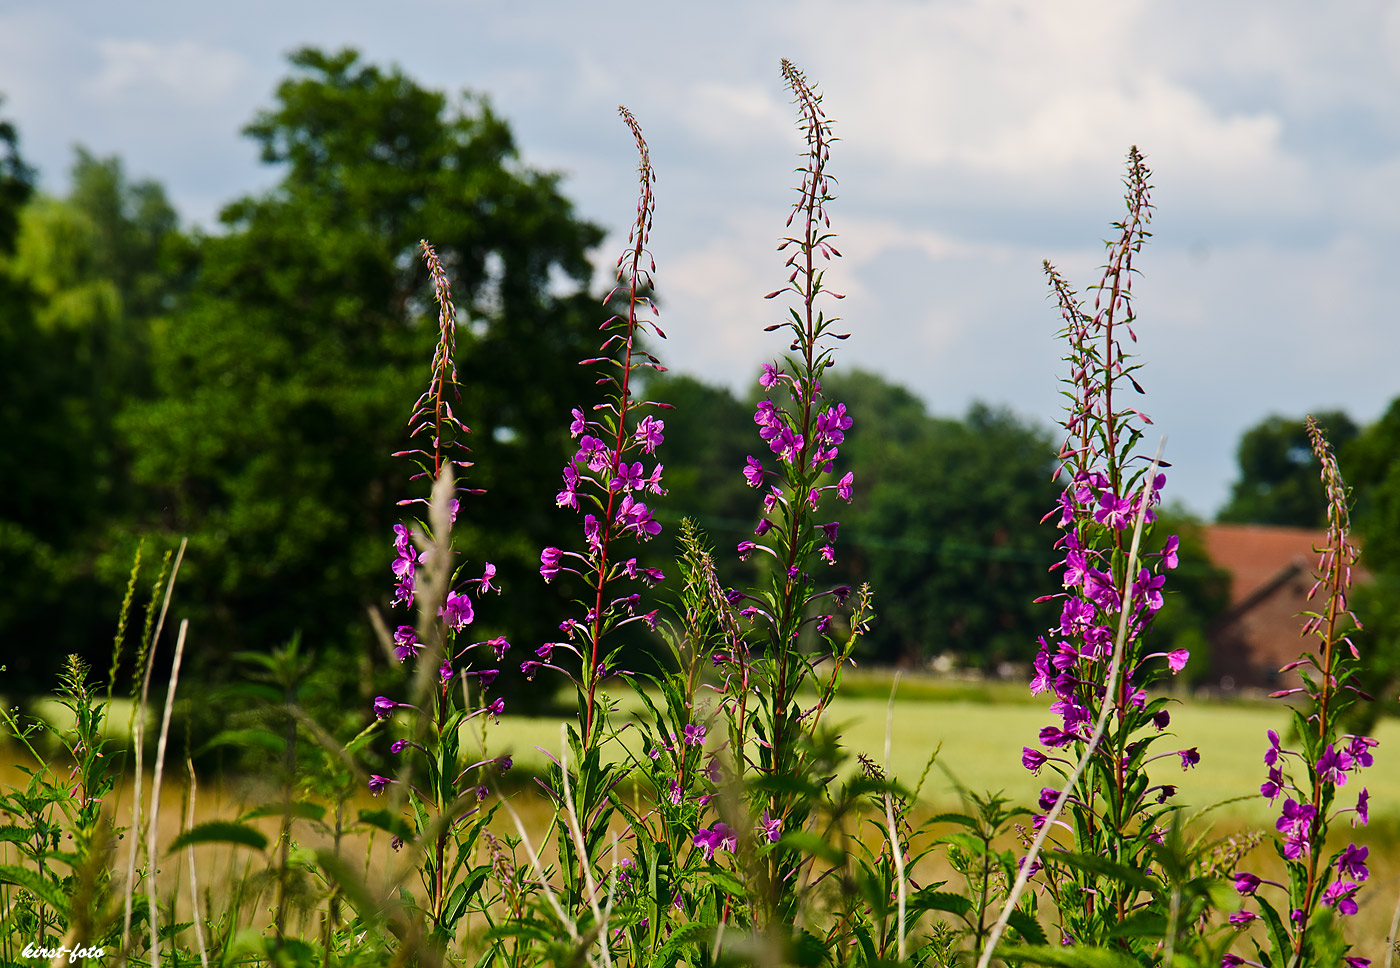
(1271, 570)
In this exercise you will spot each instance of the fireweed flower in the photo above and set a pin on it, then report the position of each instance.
(719, 837)
(1309, 779)
(377, 783)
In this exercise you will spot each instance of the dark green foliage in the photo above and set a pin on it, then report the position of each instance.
(946, 524)
(1278, 476)
(285, 379)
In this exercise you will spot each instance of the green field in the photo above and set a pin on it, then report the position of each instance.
(979, 743)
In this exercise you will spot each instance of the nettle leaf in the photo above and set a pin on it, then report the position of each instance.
(1025, 922)
(42, 888)
(930, 900)
(220, 832)
(683, 936)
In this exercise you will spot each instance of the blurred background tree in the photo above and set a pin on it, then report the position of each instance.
(1278, 481)
(284, 379)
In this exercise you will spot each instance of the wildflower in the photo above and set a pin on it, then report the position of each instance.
(770, 377)
(1241, 918)
(383, 707)
(1361, 805)
(1048, 796)
(745, 548)
(487, 574)
(579, 425)
(674, 793)
(1360, 750)
(629, 477)
(1272, 754)
(499, 646)
(1342, 896)
(1114, 512)
(694, 735)
(828, 554)
(1273, 786)
(830, 530)
(496, 708)
(445, 670)
(1333, 764)
(568, 497)
(771, 827)
(1352, 862)
(843, 487)
(457, 612)
(504, 763)
(823, 624)
(1161, 719)
(649, 433)
(719, 837)
(405, 642)
(1169, 557)
(593, 532)
(1032, 759)
(1189, 758)
(1166, 792)
(1356, 961)
(482, 792)
(398, 745)
(753, 472)
(377, 783)
(1246, 883)
(1294, 825)
(1177, 661)
(549, 563)
(1230, 961)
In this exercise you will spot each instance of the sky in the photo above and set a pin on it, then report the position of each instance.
(977, 139)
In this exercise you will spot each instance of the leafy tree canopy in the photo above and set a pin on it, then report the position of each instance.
(1278, 481)
(284, 378)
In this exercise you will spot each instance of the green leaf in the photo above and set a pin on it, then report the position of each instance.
(43, 889)
(928, 900)
(303, 811)
(685, 935)
(811, 844)
(1067, 957)
(1104, 867)
(1029, 927)
(220, 832)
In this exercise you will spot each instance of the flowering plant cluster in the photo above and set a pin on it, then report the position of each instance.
(1096, 660)
(1309, 780)
(721, 820)
(425, 577)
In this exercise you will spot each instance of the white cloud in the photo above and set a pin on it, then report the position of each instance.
(182, 71)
